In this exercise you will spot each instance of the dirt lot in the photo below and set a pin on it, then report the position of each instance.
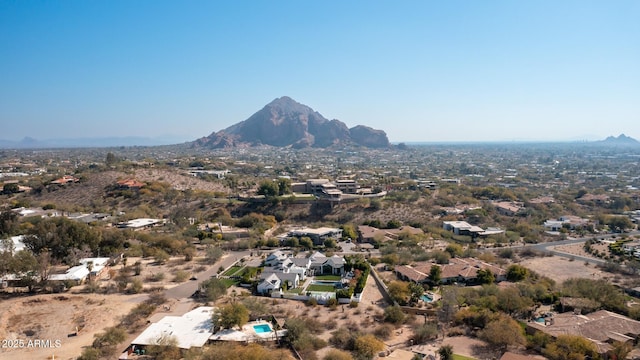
(53, 317)
(560, 269)
(39, 327)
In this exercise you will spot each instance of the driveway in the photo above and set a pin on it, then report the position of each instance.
(185, 290)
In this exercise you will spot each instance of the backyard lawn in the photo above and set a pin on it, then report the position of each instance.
(461, 357)
(234, 270)
(328, 277)
(321, 288)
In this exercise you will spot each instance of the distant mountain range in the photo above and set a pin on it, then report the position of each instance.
(621, 140)
(31, 143)
(287, 123)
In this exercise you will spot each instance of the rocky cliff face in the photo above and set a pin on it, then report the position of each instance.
(285, 122)
(369, 137)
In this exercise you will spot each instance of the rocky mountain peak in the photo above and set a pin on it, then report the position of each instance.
(285, 122)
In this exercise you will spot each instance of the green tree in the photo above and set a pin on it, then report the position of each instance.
(425, 332)
(268, 188)
(393, 224)
(446, 352)
(485, 276)
(503, 332)
(455, 250)
(570, 347)
(399, 291)
(619, 223)
(394, 315)
(517, 272)
(110, 159)
(213, 254)
(8, 222)
(235, 314)
(349, 232)
(435, 274)
(61, 236)
(511, 302)
(306, 242)
(213, 289)
(284, 186)
(330, 243)
(415, 291)
(10, 188)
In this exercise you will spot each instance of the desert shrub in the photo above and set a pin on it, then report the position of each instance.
(384, 331)
(424, 332)
(180, 276)
(394, 315)
(135, 287)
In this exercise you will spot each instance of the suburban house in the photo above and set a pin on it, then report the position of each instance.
(320, 264)
(274, 281)
(141, 223)
(598, 199)
(543, 200)
(568, 221)
(508, 208)
(224, 230)
(347, 186)
(275, 258)
(219, 174)
(270, 282)
(66, 179)
(603, 328)
(318, 236)
(192, 329)
(370, 234)
(319, 187)
(88, 268)
(464, 228)
(13, 244)
(98, 266)
(76, 275)
(130, 184)
(282, 270)
(332, 190)
(458, 270)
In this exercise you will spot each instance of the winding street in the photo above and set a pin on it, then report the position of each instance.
(549, 247)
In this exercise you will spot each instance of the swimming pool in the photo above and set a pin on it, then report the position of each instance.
(426, 298)
(262, 328)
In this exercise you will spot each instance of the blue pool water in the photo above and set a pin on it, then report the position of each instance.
(540, 320)
(262, 328)
(426, 298)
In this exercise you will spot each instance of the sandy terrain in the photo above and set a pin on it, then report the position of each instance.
(39, 325)
(561, 269)
(53, 317)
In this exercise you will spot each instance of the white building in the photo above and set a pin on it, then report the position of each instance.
(192, 329)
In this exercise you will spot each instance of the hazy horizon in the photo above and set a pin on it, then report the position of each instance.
(456, 71)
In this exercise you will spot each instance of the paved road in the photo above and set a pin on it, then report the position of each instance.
(550, 247)
(185, 290)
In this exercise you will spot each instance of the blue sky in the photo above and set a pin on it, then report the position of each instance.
(420, 70)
